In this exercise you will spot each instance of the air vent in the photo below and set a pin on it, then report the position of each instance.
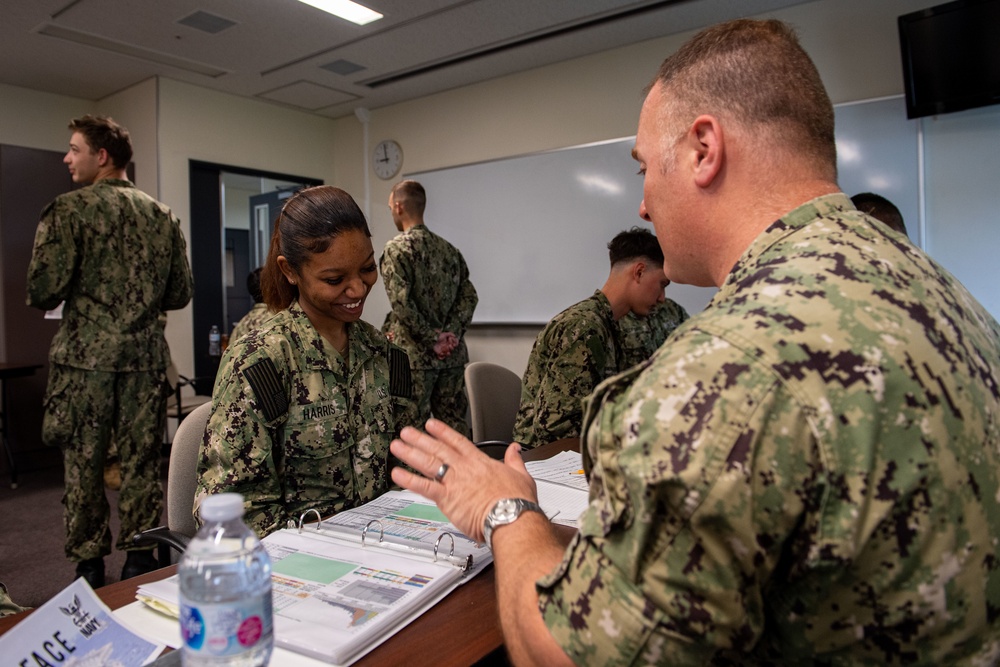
(206, 22)
(342, 67)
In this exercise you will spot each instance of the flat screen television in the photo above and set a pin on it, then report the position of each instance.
(951, 57)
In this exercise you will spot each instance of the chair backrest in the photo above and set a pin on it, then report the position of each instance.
(494, 397)
(182, 475)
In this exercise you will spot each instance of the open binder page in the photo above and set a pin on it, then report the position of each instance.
(336, 602)
(563, 489)
(409, 520)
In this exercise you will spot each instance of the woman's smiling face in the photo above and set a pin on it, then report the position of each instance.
(334, 284)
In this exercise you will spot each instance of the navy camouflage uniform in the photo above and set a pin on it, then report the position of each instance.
(642, 336)
(295, 427)
(117, 257)
(576, 351)
(807, 474)
(427, 282)
(252, 320)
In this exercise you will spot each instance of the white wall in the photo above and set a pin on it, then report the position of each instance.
(38, 120)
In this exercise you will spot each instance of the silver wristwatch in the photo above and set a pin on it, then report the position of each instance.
(504, 512)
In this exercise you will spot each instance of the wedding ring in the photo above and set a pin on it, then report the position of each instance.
(439, 475)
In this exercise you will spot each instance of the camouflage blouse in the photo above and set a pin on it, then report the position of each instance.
(575, 351)
(807, 474)
(295, 427)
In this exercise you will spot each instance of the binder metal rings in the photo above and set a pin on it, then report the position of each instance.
(438, 541)
(302, 518)
(381, 531)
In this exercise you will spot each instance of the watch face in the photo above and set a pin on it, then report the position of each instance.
(387, 159)
(505, 510)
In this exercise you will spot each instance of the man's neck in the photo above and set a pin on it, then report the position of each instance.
(614, 290)
(410, 223)
(111, 173)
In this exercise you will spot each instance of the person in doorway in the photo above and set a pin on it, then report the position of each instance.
(118, 259)
(258, 314)
(580, 347)
(305, 405)
(432, 302)
(808, 472)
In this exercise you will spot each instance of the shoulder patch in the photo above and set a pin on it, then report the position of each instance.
(266, 383)
(400, 381)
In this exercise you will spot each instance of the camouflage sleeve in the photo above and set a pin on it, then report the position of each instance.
(396, 275)
(180, 283)
(465, 304)
(241, 452)
(577, 360)
(679, 539)
(54, 260)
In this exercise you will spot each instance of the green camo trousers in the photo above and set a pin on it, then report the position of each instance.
(441, 392)
(84, 411)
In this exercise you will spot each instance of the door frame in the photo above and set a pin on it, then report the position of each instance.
(207, 256)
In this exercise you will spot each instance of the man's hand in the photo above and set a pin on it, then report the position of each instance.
(445, 345)
(473, 482)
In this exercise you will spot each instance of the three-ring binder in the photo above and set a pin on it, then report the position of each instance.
(462, 562)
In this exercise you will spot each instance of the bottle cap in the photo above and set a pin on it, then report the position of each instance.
(222, 507)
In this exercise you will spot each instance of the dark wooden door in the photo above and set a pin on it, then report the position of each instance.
(29, 179)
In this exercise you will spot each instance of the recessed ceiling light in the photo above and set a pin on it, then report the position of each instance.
(346, 9)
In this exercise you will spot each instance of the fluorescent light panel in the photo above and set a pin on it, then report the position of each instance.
(346, 9)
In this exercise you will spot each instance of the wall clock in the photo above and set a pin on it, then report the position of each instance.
(387, 159)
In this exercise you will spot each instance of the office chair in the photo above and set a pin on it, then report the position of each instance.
(494, 397)
(182, 479)
(179, 403)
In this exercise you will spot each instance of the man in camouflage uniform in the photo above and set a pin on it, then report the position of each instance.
(640, 337)
(808, 472)
(295, 427)
(432, 302)
(580, 346)
(118, 259)
(257, 315)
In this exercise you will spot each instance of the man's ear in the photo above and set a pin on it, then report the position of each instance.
(707, 138)
(638, 269)
(102, 157)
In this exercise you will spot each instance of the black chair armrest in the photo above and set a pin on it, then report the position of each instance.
(495, 449)
(164, 539)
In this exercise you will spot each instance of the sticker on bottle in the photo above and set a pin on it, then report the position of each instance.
(225, 628)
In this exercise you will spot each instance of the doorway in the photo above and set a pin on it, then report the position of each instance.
(233, 210)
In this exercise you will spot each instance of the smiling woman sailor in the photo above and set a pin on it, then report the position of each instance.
(304, 408)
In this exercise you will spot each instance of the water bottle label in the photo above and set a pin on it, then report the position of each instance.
(226, 628)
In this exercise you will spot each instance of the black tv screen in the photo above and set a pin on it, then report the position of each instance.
(951, 57)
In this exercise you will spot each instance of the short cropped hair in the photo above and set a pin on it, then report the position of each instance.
(103, 132)
(411, 196)
(635, 244)
(880, 208)
(757, 74)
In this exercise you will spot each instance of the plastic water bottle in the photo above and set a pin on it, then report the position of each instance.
(214, 341)
(225, 590)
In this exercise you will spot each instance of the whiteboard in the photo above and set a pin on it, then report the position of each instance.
(534, 228)
(877, 150)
